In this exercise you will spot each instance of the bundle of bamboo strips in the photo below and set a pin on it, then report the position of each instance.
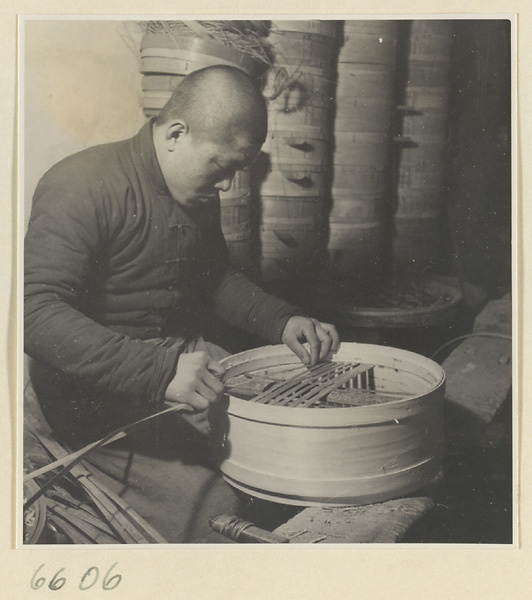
(81, 508)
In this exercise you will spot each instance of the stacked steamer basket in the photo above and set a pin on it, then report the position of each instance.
(363, 141)
(169, 51)
(420, 185)
(364, 427)
(293, 192)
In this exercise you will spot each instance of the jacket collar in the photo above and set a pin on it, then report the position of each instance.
(144, 148)
(143, 144)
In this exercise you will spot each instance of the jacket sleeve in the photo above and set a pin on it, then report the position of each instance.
(63, 246)
(238, 300)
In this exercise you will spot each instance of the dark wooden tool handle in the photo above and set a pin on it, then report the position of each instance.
(242, 531)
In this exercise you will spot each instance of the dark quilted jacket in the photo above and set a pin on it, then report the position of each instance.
(112, 261)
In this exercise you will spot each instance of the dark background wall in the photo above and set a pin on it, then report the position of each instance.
(479, 175)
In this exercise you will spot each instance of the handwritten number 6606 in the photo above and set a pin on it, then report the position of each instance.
(89, 579)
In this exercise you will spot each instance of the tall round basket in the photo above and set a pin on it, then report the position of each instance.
(365, 427)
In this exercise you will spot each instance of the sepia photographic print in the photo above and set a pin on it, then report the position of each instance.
(268, 286)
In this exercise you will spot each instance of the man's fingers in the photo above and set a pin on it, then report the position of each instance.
(215, 367)
(331, 330)
(313, 340)
(325, 340)
(314, 351)
(206, 392)
(298, 349)
(322, 338)
(213, 383)
(195, 400)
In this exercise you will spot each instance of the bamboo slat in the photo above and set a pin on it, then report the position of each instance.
(124, 521)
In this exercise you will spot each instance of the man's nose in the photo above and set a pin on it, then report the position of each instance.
(224, 185)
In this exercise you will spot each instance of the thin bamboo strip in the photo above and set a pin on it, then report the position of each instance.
(285, 385)
(127, 511)
(310, 389)
(333, 386)
(71, 516)
(124, 528)
(66, 457)
(301, 391)
(105, 501)
(75, 536)
(83, 510)
(61, 495)
(102, 502)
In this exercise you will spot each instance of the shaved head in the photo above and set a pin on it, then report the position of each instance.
(220, 104)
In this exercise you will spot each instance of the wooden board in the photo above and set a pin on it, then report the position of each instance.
(377, 523)
(479, 370)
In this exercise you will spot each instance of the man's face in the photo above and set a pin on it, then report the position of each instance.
(198, 171)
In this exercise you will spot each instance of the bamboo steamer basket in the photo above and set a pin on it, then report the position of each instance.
(239, 251)
(428, 123)
(362, 149)
(169, 65)
(240, 185)
(292, 86)
(385, 27)
(302, 49)
(429, 48)
(431, 27)
(365, 81)
(294, 180)
(418, 204)
(161, 83)
(235, 219)
(295, 148)
(155, 100)
(428, 152)
(293, 249)
(353, 233)
(151, 112)
(352, 311)
(352, 206)
(427, 98)
(418, 228)
(367, 48)
(234, 212)
(365, 115)
(280, 208)
(175, 62)
(428, 74)
(315, 26)
(308, 116)
(356, 244)
(421, 177)
(290, 238)
(364, 180)
(336, 456)
(197, 50)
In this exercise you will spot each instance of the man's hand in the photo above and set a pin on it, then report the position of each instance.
(321, 337)
(195, 382)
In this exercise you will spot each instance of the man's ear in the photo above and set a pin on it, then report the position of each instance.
(175, 132)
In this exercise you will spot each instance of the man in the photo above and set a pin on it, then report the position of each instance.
(125, 262)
